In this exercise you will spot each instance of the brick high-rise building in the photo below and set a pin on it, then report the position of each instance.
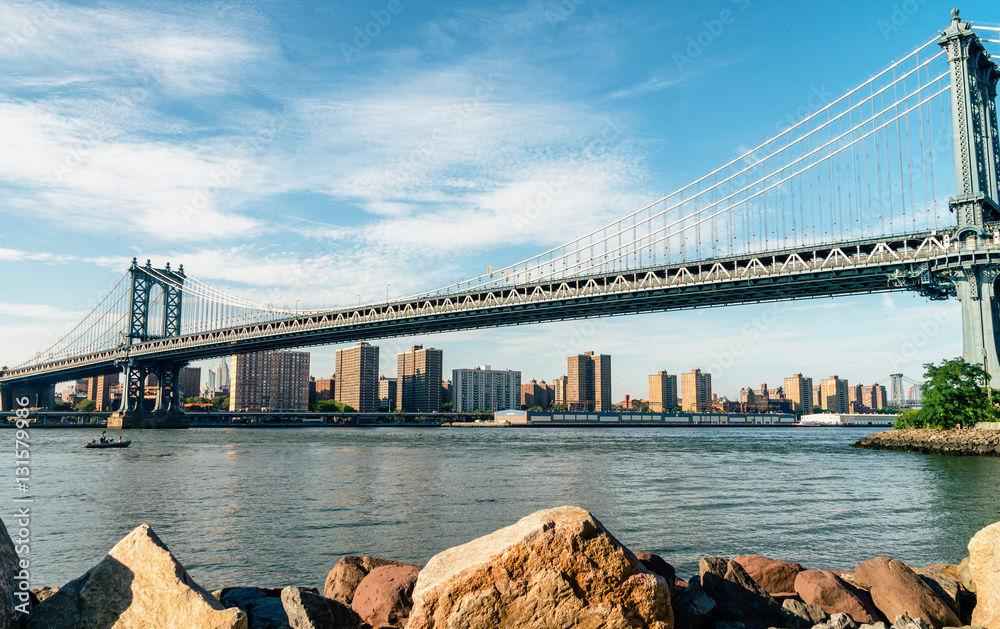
(386, 393)
(446, 392)
(588, 384)
(99, 390)
(357, 378)
(559, 390)
(486, 389)
(662, 392)
(418, 376)
(799, 390)
(833, 395)
(696, 392)
(274, 380)
(189, 382)
(326, 388)
(537, 394)
(873, 397)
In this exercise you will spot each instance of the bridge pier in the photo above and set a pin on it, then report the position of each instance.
(976, 287)
(168, 412)
(41, 396)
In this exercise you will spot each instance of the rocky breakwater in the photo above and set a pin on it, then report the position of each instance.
(958, 442)
(558, 568)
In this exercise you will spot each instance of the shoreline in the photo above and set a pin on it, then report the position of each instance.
(955, 442)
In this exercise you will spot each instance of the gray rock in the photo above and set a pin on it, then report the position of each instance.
(802, 615)
(841, 621)
(878, 625)
(261, 605)
(965, 575)
(905, 622)
(693, 608)
(306, 610)
(737, 596)
(16, 601)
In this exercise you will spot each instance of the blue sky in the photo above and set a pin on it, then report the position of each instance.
(315, 152)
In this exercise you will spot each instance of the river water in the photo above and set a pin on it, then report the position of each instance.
(273, 507)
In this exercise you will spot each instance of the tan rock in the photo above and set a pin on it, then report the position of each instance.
(897, 590)
(834, 596)
(139, 584)
(345, 577)
(984, 569)
(554, 568)
(772, 575)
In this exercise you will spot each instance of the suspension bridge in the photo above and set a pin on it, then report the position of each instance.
(893, 186)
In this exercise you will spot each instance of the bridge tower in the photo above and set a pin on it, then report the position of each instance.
(976, 204)
(168, 411)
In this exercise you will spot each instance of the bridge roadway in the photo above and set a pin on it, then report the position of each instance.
(911, 262)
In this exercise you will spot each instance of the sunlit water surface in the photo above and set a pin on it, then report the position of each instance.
(281, 506)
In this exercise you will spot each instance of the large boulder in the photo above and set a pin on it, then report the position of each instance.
(16, 599)
(139, 584)
(737, 596)
(384, 598)
(657, 565)
(261, 605)
(947, 588)
(555, 568)
(834, 596)
(348, 573)
(965, 575)
(984, 570)
(801, 615)
(306, 610)
(776, 577)
(897, 590)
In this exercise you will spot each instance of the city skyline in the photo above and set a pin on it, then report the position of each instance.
(242, 193)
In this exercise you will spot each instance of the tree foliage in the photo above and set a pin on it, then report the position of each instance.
(955, 393)
(221, 402)
(87, 406)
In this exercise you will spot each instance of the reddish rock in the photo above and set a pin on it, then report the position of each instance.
(384, 597)
(897, 590)
(348, 573)
(772, 575)
(825, 589)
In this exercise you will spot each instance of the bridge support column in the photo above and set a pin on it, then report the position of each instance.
(167, 413)
(39, 396)
(976, 287)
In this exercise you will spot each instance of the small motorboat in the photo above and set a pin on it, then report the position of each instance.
(104, 442)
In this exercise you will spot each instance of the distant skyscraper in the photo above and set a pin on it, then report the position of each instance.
(799, 390)
(486, 389)
(189, 382)
(696, 391)
(588, 385)
(833, 395)
(211, 381)
(357, 377)
(662, 392)
(274, 380)
(223, 377)
(418, 376)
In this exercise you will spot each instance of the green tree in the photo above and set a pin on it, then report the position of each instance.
(87, 406)
(197, 400)
(62, 406)
(221, 402)
(447, 407)
(955, 393)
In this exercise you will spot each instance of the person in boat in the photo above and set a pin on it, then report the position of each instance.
(119, 438)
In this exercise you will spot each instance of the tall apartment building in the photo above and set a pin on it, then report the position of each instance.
(588, 384)
(559, 389)
(99, 390)
(386, 393)
(537, 394)
(874, 397)
(696, 391)
(357, 378)
(833, 395)
(189, 382)
(326, 388)
(446, 392)
(662, 392)
(211, 382)
(275, 380)
(418, 375)
(799, 390)
(486, 389)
